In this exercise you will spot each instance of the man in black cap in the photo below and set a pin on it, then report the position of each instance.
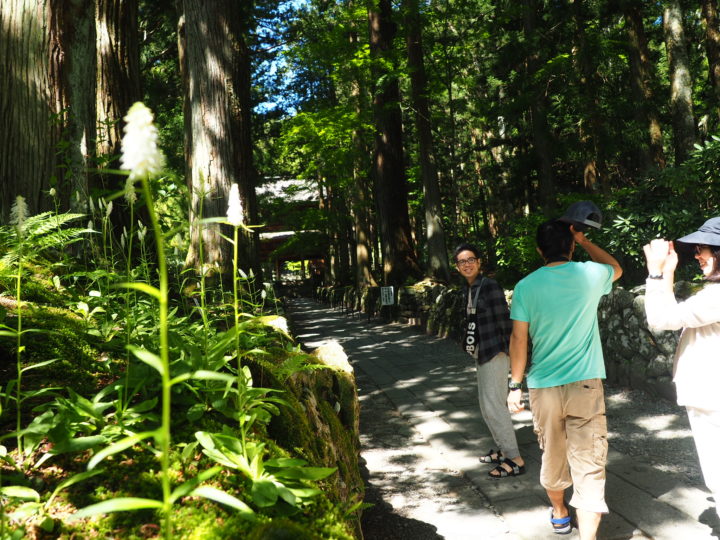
(556, 306)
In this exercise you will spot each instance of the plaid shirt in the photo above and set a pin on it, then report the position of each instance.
(492, 316)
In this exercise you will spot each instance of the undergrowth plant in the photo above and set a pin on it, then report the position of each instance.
(206, 382)
(25, 241)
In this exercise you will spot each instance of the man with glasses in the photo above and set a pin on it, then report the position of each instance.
(556, 307)
(485, 337)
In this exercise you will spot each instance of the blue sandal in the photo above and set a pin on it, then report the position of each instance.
(560, 525)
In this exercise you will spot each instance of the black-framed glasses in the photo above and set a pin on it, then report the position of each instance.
(469, 260)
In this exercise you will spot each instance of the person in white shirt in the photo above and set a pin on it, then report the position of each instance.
(697, 363)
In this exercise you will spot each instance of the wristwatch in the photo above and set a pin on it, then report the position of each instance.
(655, 276)
(514, 385)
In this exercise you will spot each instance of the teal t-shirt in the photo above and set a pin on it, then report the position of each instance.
(560, 304)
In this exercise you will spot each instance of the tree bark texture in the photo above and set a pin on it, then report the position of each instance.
(542, 138)
(47, 94)
(436, 246)
(217, 66)
(361, 200)
(595, 171)
(641, 75)
(391, 195)
(118, 77)
(712, 45)
(681, 106)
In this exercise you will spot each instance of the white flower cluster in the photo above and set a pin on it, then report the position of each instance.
(234, 211)
(140, 152)
(130, 194)
(19, 213)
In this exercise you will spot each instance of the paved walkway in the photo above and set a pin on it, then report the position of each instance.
(421, 435)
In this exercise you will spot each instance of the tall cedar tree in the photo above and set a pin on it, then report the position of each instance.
(47, 94)
(681, 106)
(391, 194)
(215, 60)
(437, 266)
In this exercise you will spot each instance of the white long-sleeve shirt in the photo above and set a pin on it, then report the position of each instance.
(696, 369)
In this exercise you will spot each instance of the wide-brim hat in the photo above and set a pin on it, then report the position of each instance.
(708, 233)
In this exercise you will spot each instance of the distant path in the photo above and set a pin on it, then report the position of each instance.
(421, 435)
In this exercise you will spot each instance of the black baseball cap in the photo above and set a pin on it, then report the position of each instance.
(582, 214)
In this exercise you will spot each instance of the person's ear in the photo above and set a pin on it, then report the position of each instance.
(540, 253)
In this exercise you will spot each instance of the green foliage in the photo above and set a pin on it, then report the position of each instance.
(40, 233)
(117, 431)
(669, 204)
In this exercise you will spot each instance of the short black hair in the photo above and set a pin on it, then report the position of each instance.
(554, 239)
(466, 246)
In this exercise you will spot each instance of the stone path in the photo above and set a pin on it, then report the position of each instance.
(421, 435)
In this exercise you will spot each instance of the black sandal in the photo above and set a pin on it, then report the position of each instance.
(492, 457)
(502, 472)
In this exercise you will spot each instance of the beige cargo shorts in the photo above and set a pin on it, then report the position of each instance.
(571, 428)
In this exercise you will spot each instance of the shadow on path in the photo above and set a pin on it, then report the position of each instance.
(421, 435)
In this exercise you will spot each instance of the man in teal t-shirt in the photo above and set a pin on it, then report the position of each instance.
(556, 307)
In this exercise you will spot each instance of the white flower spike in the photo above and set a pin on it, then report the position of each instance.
(140, 152)
(19, 213)
(130, 194)
(234, 212)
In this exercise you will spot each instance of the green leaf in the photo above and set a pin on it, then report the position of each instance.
(285, 462)
(72, 481)
(288, 496)
(142, 287)
(205, 375)
(151, 359)
(196, 412)
(122, 504)
(20, 492)
(189, 451)
(217, 495)
(77, 445)
(145, 406)
(264, 492)
(305, 473)
(39, 364)
(119, 446)
(187, 487)
(305, 493)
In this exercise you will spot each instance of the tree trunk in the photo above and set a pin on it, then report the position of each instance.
(118, 79)
(47, 94)
(595, 170)
(216, 63)
(712, 44)
(436, 246)
(680, 81)
(391, 196)
(361, 189)
(641, 74)
(542, 138)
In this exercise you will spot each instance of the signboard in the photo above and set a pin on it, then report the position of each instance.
(387, 296)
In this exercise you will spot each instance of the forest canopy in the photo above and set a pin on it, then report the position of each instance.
(418, 123)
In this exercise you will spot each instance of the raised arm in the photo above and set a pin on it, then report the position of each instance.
(597, 254)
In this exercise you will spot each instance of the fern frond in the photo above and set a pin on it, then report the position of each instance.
(45, 222)
(57, 238)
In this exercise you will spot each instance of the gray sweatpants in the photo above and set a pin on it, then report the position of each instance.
(492, 379)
